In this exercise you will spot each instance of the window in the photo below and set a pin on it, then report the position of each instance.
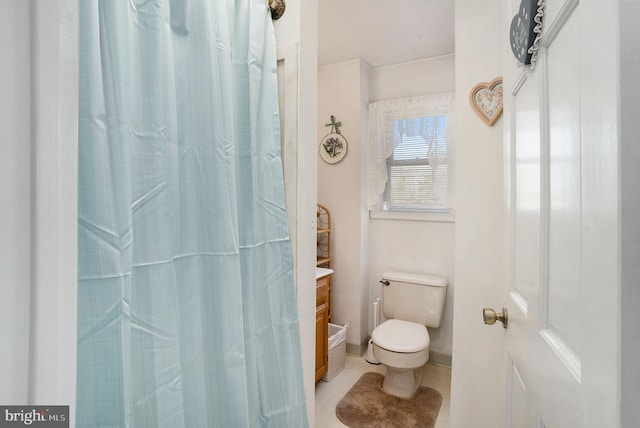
(409, 158)
(417, 169)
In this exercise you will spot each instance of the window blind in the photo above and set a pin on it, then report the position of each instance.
(417, 171)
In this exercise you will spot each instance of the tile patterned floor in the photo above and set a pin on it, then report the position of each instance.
(329, 393)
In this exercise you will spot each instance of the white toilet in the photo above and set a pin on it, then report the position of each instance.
(411, 303)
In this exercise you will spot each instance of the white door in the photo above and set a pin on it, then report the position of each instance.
(562, 203)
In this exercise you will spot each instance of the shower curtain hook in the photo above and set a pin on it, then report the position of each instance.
(277, 8)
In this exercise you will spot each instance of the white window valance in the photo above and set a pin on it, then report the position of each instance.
(396, 121)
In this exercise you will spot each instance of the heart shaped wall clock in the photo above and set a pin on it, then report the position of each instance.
(486, 100)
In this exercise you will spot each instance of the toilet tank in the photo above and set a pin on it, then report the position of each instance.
(413, 297)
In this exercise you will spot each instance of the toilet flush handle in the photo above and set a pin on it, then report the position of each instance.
(384, 282)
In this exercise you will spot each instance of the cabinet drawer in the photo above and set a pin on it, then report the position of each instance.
(322, 291)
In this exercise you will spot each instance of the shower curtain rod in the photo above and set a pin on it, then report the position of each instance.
(277, 8)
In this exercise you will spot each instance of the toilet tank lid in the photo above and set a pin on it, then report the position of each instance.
(414, 278)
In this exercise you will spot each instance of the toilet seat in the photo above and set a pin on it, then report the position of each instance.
(401, 336)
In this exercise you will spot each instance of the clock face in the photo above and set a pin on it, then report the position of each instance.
(521, 33)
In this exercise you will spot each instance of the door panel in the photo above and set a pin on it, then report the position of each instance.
(554, 361)
(516, 397)
(563, 94)
(526, 213)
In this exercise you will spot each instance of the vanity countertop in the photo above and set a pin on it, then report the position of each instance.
(321, 272)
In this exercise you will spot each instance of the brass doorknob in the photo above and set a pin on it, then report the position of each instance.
(490, 316)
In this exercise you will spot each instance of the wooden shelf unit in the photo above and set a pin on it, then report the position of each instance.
(323, 261)
(323, 291)
(323, 251)
(323, 225)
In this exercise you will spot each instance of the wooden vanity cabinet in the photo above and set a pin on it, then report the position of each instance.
(322, 326)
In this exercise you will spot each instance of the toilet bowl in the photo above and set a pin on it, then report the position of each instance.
(403, 347)
(410, 303)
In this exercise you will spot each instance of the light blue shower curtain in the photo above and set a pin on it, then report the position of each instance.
(187, 309)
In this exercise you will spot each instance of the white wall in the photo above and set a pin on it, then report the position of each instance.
(342, 92)
(479, 234)
(424, 77)
(15, 194)
(38, 124)
(298, 30)
(414, 246)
